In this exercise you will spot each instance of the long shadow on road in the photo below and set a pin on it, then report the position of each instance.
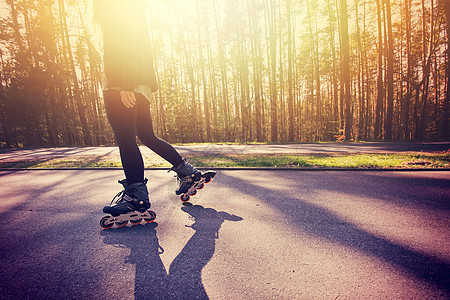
(46, 247)
(322, 223)
(183, 281)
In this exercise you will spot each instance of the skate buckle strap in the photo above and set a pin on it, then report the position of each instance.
(132, 201)
(128, 198)
(118, 198)
(189, 178)
(121, 196)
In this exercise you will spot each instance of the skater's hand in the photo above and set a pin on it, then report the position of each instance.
(128, 99)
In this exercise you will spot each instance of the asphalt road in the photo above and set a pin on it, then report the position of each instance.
(249, 235)
(204, 149)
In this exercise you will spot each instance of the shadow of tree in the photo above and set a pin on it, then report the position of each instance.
(183, 281)
(322, 223)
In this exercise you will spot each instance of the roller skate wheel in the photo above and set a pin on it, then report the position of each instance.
(193, 193)
(136, 221)
(122, 224)
(200, 185)
(207, 178)
(184, 198)
(104, 222)
(152, 217)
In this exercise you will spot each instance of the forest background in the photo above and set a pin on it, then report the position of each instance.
(235, 71)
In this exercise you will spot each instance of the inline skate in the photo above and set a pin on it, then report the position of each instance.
(190, 180)
(131, 205)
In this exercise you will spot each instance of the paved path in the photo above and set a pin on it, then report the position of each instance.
(375, 147)
(250, 235)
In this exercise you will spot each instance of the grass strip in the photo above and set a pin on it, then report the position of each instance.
(405, 160)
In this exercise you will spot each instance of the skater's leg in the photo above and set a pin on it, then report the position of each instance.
(123, 123)
(148, 137)
(186, 173)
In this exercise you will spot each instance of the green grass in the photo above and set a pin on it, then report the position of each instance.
(408, 160)
(404, 160)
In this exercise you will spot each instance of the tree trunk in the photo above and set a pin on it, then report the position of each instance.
(87, 139)
(390, 75)
(426, 66)
(361, 99)
(290, 79)
(223, 70)
(273, 68)
(335, 97)
(407, 100)
(203, 74)
(256, 69)
(318, 86)
(346, 69)
(380, 90)
(367, 118)
(446, 112)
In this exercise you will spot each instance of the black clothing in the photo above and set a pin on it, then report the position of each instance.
(129, 122)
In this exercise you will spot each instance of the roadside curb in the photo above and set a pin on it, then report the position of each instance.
(237, 169)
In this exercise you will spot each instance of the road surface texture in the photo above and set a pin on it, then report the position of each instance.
(204, 149)
(248, 235)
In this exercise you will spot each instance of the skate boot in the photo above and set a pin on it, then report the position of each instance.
(190, 180)
(131, 204)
